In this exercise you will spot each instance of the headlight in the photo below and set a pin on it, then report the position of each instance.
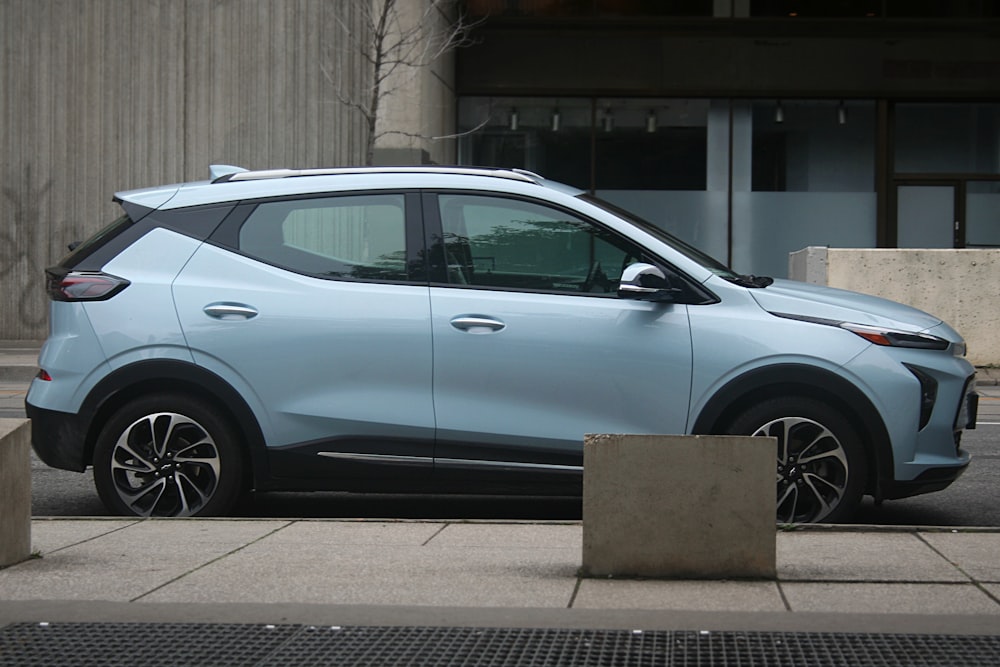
(895, 338)
(878, 335)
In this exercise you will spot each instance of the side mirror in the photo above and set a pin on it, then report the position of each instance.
(645, 282)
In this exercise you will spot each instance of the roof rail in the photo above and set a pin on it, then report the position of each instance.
(227, 173)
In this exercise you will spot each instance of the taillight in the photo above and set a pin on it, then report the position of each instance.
(84, 286)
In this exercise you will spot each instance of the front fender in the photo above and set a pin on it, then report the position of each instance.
(759, 384)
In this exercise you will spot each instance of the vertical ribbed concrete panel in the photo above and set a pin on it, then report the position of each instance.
(679, 507)
(104, 95)
(15, 491)
(90, 102)
(258, 94)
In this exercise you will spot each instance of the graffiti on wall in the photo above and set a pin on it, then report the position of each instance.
(24, 254)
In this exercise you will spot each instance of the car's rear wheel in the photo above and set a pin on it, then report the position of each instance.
(821, 464)
(168, 456)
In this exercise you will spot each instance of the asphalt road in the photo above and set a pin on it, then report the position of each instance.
(973, 500)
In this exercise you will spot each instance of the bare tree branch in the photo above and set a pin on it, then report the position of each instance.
(388, 49)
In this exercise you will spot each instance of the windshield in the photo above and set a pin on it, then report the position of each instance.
(689, 251)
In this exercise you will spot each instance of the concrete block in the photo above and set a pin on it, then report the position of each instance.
(808, 265)
(955, 285)
(684, 507)
(15, 491)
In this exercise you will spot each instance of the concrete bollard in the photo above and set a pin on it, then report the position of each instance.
(684, 507)
(15, 491)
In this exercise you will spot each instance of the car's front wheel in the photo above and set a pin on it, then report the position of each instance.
(168, 456)
(821, 464)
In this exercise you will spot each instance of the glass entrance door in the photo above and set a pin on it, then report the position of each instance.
(927, 216)
(982, 214)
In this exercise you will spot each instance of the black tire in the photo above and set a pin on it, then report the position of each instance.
(822, 469)
(168, 455)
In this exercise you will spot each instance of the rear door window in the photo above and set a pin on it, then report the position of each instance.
(354, 237)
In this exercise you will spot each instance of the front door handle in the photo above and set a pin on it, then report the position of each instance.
(230, 311)
(477, 324)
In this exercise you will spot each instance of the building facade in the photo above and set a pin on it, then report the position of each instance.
(750, 128)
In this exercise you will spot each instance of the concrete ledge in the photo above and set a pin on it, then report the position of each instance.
(684, 507)
(15, 491)
(959, 286)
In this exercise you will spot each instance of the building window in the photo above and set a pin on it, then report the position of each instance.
(845, 9)
(813, 146)
(746, 182)
(550, 136)
(588, 8)
(934, 138)
(650, 144)
(803, 174)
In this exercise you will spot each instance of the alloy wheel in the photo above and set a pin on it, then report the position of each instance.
(165, 464)
(812, 472)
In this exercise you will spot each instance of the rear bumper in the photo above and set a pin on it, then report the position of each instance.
(59, 438)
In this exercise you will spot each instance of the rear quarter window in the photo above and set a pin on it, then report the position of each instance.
(197, 222)
(80, 251)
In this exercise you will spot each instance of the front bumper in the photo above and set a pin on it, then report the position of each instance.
(929, 481)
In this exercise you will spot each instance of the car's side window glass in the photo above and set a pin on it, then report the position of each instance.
(354, 237)
(509, 243)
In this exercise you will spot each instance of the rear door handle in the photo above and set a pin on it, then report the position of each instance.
(477, 324)
(230, 311)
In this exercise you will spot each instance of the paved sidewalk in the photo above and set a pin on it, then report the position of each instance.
(484, 574)
(510, 574)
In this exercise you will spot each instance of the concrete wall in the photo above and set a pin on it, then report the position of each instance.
(962, 287)
(421, 105)
(104, 95)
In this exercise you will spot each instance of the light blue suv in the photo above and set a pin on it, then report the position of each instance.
(449, 329)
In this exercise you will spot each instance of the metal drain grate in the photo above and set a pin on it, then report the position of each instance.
(135, 644)
(152, 644)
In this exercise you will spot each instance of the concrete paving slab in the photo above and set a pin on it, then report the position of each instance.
(741, 596)
(861, 556)
(994, 590)
(977, 554)
(535, 536)
(128, 563)
(275, 572)
(51, 535)
(883, 598)
(355, 533)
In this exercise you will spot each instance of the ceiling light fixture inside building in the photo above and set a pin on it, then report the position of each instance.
(513, 120)
(841, 114)
(609, 121)
(651, 121)
(556, 120)
(779, 113)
